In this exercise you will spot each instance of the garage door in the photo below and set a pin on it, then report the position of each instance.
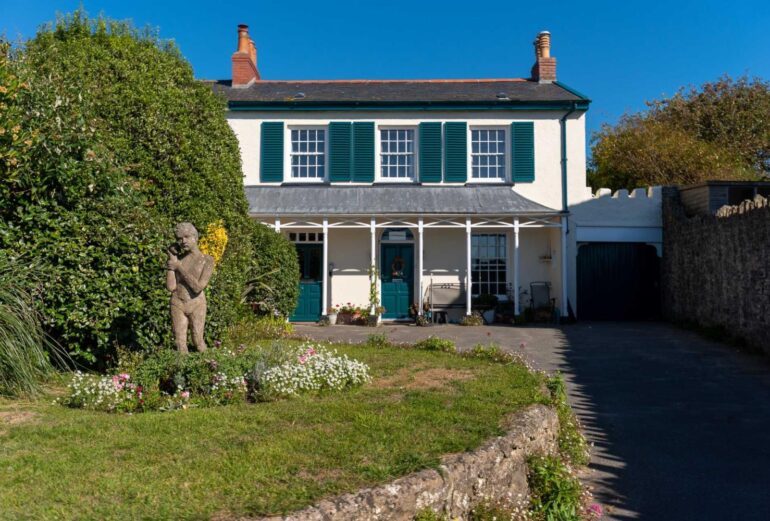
(618, 281)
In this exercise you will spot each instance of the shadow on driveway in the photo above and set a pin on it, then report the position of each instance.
(681, 425)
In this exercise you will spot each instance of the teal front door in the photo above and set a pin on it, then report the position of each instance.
(309, 302)
(397, 277)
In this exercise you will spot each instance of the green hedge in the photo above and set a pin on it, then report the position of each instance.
(107, 142)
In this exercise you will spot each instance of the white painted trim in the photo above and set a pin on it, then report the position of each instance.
(507, 151)
(378, 154)
(325, 266)
(516, 268)
(287, 177)
(468, 281)
(420, 264)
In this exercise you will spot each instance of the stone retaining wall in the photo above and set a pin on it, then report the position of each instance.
(497, 468)
(716, 269)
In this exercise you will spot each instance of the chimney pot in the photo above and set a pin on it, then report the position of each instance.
(244, 59)
(545, 44)
(544, 69)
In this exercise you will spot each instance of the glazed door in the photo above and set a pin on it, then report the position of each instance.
(397, 277)
(309, 306)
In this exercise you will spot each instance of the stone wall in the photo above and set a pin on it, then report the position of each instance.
(497, 468)
(716, 268)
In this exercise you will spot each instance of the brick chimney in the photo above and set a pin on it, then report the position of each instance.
(544, 69)
(245, 70)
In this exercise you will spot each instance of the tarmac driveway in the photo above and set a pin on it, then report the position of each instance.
(680, 425)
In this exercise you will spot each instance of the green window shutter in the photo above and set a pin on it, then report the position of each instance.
(430, 152)
(339, 151)
(523, 152)
(456, 152)
(363, 152)
(271, 152)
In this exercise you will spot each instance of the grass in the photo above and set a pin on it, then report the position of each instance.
(254, 459)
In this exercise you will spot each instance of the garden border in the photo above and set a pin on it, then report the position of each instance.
(497, 469)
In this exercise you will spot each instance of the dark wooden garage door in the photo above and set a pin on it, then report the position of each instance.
(618, 281)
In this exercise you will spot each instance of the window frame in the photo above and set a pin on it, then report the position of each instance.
(505, 269)
(288, 177)
(506, 179)
(378, 178)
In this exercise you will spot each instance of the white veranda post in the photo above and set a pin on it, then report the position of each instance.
(325, 268)
(563, 265)
(468, 266)
(373, 255)
(420, 251)
(516, 268)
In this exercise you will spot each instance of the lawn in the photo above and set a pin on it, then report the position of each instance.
(252, 459)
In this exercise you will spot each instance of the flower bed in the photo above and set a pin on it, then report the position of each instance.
(166, 381)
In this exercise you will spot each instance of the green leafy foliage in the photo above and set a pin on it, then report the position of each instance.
(378, 340)
(716, 131)
(434, 343)
(572, 443)
(272, 285)
(556, 491)
(120, 143)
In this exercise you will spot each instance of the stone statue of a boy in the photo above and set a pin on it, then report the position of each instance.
(188, 271)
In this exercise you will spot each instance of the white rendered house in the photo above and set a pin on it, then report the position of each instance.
(463, 183)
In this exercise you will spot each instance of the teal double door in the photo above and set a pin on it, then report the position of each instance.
(397, 278)
(309, 308)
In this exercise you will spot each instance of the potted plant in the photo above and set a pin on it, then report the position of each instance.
(332, 313)
(345, 313)
(485, 304)
(375, 318)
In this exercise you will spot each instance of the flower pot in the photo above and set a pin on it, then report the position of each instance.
(374, 320)
(332, 318)
(489, 316)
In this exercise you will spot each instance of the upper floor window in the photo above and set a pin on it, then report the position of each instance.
(308, 154)
(397, 154)
(488, 154)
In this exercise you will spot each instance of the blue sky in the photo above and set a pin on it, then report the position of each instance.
(619, 53)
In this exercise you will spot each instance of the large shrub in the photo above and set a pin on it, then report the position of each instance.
(273, 273)
(108, 140)
(715, 131)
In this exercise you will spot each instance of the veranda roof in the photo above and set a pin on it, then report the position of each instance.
(393, 200)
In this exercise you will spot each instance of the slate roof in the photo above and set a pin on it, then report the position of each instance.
(400, 200)
(383, 92)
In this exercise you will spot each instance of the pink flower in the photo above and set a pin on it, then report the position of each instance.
(310, 351)
(124, 377)
(217, 343)
(186, 395)
(302, 359)
(595, 509)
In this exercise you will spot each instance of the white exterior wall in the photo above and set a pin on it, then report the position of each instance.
(349, 251)
(546, 189)
(444, 256)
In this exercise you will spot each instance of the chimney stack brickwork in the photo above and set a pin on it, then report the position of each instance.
(244, 60)
(544, 69)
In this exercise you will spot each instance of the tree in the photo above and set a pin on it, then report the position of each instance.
(718, 131)
(115, 142)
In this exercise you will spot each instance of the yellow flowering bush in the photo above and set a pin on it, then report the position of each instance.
(214, 241)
